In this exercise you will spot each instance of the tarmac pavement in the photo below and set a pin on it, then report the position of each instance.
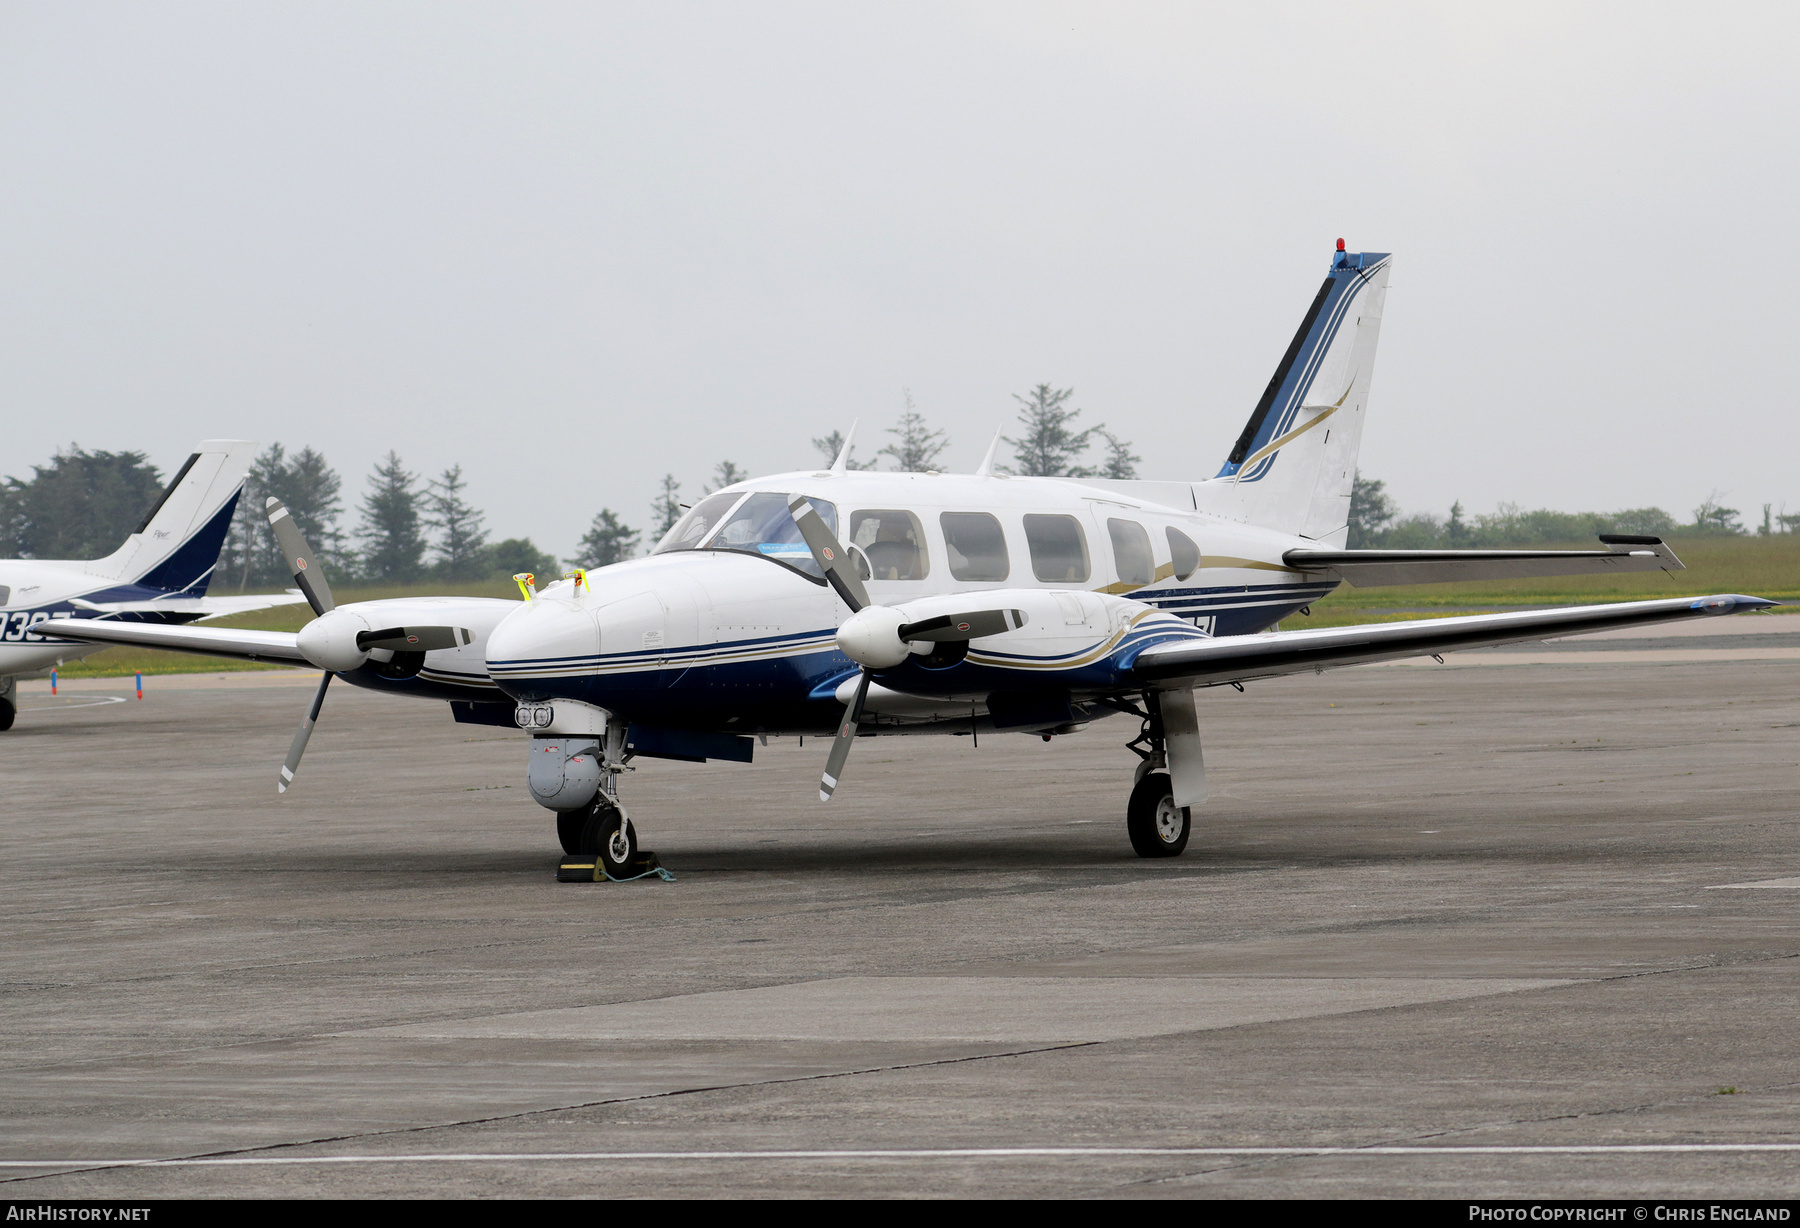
(1504, 931)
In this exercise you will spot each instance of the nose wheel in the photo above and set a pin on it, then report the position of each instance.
(602, 829)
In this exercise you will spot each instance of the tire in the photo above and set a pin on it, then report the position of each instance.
(1158, 828)
(569, 825)
(598, 829)
(7, 712)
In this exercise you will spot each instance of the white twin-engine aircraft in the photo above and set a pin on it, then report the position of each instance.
(159, 576)
(858, 603)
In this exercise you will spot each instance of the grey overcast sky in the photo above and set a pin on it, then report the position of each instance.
(573, 247)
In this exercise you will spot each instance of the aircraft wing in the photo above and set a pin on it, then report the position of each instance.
(278, 646)
(1366, 568)
(1238, 658)
(197, 607)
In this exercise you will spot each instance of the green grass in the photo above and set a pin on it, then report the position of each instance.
(1761, 566)
(118, 662)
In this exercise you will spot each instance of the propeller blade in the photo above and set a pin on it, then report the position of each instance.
(831, 557)
(307, 572)
(948, 628)
(298, 746)
(840, 746)
(414, 639)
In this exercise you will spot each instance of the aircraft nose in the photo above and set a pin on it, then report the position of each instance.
(544, 639)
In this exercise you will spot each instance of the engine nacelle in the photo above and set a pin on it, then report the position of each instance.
(329, 641)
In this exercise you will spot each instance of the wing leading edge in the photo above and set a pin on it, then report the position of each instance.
(279, 646)
(1239, 658)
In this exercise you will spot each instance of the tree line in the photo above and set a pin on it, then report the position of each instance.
(412, 528)
(1376, 522)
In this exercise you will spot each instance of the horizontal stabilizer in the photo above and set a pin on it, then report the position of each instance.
(278, 646)
(1239, 658)
(197, 607)
(1374, 568)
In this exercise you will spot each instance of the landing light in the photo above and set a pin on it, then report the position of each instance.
(534, 716)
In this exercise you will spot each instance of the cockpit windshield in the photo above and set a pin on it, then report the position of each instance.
(761, 524)
(692, 528)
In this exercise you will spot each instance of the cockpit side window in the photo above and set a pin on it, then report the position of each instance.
(1183, 554)
(1059, 553)
(893, 542)
(692, 528)
(977, 546)
(1131, 551)
(5, 594)
(762, 525)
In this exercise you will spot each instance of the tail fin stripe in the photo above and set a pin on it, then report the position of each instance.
(168, 490)
(1242, 447)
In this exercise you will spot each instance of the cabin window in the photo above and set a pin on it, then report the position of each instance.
(1183, 554)
(5, 594)
(762, 525)
(1131, 551)
(1059, 552)
(893, 542)
(977, 546)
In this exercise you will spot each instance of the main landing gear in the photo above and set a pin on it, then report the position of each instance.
(1158, 827)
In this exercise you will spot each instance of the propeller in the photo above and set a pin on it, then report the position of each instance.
(337, 641)
(307, 572)
(877, 637)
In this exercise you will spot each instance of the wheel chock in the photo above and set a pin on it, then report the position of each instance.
(588, 868)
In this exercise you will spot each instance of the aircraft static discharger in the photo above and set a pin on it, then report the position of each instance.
(856, 603)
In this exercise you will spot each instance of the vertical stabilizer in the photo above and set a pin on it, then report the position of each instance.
(176, 546)
(1292, 466)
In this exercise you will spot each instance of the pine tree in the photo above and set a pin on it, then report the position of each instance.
(727, 474)
(830, 445)
(1049, 445)
(459, 546)
(665, 509)
(607, 541)
(394, 549)
(918, 447)
(1120, 461)
(1370, 511)
(82, 505)
(308, 487)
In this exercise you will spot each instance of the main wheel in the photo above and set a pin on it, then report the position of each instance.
(1158, 827)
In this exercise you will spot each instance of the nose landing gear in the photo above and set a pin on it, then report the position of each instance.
(601, 828)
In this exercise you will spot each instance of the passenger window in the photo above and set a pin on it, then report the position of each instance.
(893, 542)
(1058, 549)
(5, 594)
(1183, 554)
(1131, 551)
(977, 546)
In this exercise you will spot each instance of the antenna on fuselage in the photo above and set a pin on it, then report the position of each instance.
(842, 463)
(986, 468)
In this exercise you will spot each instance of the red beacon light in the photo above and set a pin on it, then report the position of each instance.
(1340, 245)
